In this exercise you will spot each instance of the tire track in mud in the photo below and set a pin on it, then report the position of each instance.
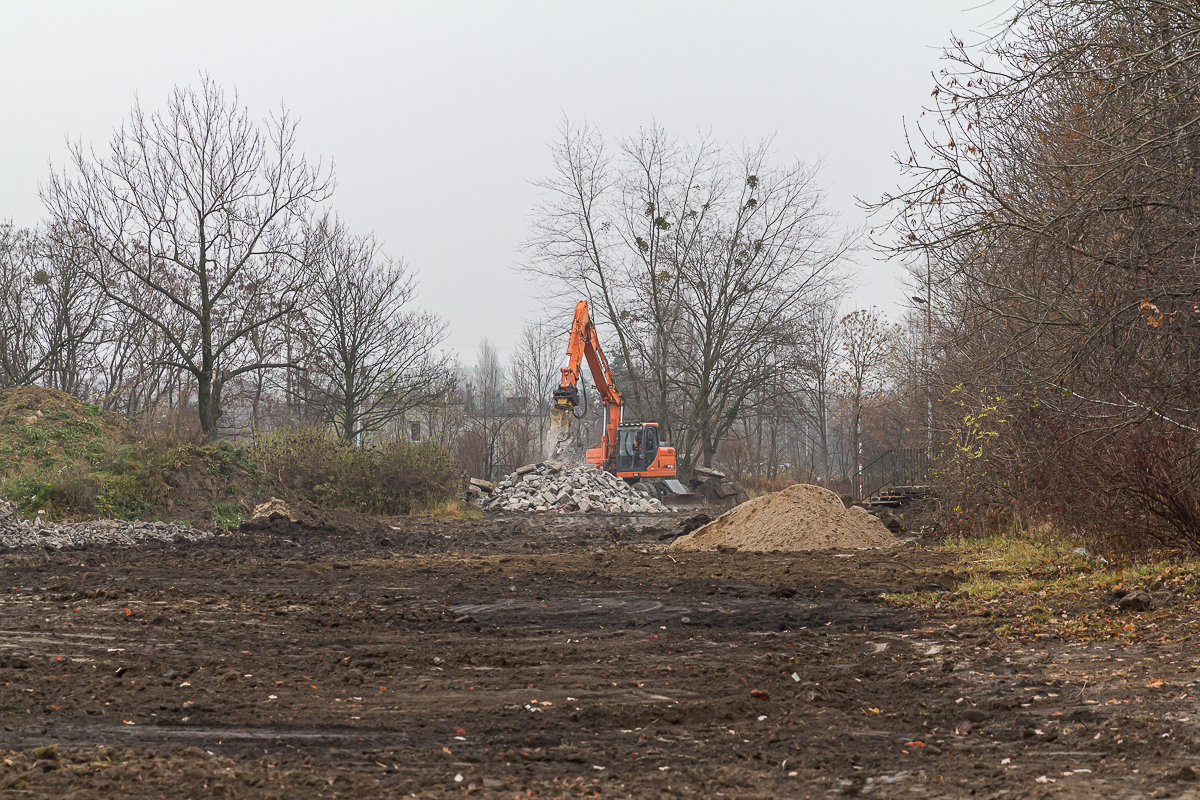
(622, 610)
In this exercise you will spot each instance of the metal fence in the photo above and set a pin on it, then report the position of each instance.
(905, 466)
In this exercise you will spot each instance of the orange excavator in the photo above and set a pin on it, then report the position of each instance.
(629, 450)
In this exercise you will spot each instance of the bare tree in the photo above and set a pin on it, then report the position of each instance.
(534, 372)
(136, 373)
(1055, 198)
(372, 355)
(816, 358)
(487, 407)
(202, 207)
(443, 420)
(75, 315)
(23, 306)
(49, 314)
(695, 258)
(868, 343)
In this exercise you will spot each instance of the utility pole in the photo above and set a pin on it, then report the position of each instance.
(926, 355)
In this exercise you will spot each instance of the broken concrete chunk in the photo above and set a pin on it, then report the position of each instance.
(482, 485)
(708, 472)
(18, 532)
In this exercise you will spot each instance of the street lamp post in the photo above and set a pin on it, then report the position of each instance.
(927, 301)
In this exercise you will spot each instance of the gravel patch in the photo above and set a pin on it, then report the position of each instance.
(16, 532)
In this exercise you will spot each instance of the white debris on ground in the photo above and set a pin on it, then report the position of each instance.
(563, 486)
(18, 532)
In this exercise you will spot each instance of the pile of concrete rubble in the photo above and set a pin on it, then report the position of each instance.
(18, 532)
(562, 486)
(716, 489)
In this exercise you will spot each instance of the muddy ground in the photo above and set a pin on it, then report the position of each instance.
(555, 656)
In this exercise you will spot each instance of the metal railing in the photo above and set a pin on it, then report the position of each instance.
(904, 466)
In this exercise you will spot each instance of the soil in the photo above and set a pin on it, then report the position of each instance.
(801, 517)
(544, 656)
(204, 481)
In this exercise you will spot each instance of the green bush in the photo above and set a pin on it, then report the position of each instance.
(395, 478)
(227, 515)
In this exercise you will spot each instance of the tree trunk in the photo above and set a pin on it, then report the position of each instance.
(349, 401)
(823, 436)
(208, 391)
(856, 450)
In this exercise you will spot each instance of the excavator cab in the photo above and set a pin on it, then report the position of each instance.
(637, 447)
(640, 454)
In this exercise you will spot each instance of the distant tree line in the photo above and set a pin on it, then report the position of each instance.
(191, 270)
(804, 428)
(716, 276)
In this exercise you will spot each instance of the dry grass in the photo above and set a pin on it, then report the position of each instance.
(448, 510)
(397, 477)
(68, 459)
(1043, 560)
(1033, 583)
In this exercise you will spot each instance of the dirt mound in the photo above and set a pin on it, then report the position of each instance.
(300, 520)
(63, 458)
(47, 428)
(801, 517)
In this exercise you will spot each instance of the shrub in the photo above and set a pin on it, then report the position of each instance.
(398, 477)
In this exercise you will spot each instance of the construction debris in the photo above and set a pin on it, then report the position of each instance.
(486, 487)
(716, 489)
(273, 506)
(563, 486)
(17, 532)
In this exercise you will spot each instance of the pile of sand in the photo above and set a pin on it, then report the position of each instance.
(801, 517)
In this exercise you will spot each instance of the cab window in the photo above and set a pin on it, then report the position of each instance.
(651, 446)
(627, 452)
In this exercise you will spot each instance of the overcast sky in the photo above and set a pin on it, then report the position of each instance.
(437, 115)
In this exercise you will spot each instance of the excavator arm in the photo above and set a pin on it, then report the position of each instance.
(584, 344)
